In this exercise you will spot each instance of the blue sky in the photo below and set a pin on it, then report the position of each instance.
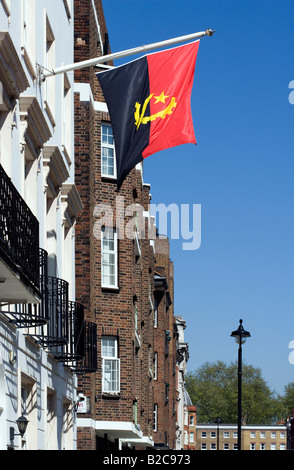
(241, 172)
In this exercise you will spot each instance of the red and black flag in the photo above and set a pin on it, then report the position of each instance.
(149, 102)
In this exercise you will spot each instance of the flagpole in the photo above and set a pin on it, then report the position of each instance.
(118, 55)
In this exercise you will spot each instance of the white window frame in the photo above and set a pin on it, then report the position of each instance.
(155, 364)
(155, 416)
(110, 366)
(106, 145)
(106, 253)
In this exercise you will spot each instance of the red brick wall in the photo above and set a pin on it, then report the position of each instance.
(166, 356)
(113, 310)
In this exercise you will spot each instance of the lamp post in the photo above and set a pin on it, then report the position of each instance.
(217, 422)
(22, 423)
(240, 336)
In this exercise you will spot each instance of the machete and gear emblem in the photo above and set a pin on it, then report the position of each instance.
(142, 119)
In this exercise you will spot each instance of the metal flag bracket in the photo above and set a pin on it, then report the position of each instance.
(44, 73)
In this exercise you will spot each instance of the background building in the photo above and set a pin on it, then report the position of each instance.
(182, 356)
(124, 276)
(165, 348)
(225, 437)
(114, 271)
(190, 424)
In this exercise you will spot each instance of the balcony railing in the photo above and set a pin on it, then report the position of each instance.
(89, 363)
(80, 350)
(32, 315)
(56, 330)
(56, 323)
(19, 233)
(74, 348)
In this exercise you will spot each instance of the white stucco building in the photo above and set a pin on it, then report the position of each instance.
(181, 363)
(40, 321)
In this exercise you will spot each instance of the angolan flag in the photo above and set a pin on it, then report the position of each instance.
(149, 102)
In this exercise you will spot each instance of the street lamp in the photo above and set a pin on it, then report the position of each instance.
(217, 422)
(240, 336)
(22, 423)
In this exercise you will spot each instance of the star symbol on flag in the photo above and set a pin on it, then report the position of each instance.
(161, 98)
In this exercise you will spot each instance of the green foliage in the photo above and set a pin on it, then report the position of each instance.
(213, 388)
(287, 400)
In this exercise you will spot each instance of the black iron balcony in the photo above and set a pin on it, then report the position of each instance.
(32, 315)
(89, 362)
(56, 332)
(54, 309)
(19, 245)
(57, 323)
(74, 349)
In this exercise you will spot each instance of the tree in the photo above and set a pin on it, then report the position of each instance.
(213, 388)
(287, 401)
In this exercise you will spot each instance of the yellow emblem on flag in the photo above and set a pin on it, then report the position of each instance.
(142, 119)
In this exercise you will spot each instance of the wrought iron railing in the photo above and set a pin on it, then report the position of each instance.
(54, 308)
(89, 363)
(57, 326)
(74, 348)
(57, 323)
(32, 315)
(19, 232)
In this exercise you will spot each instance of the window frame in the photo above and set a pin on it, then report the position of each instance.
(114, 360)
(155, 417)
(104, 284)
(107, 146)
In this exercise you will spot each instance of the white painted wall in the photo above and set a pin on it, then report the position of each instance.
(21, 360)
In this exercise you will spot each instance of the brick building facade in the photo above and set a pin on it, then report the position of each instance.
(164, 347)
(225, 437)
(130, 399)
